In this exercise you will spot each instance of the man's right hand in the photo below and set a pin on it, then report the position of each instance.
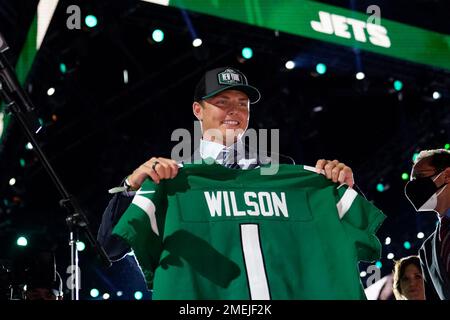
(155, 168)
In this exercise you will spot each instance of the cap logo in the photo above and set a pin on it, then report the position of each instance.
(229, 77)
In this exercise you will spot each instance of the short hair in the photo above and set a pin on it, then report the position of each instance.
(399, 271)
(438, 158)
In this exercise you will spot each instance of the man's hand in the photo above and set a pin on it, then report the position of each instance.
(155, 168)
(336, 171)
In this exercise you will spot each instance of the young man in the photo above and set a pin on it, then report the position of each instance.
(222, 105)
(428, 191)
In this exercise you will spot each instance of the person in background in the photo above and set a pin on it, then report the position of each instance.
(428, 191)
(408, 280)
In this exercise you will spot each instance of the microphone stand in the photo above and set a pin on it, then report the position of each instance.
(18, 103)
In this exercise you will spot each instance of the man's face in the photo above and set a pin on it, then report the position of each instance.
(224, 116)
(423, 169)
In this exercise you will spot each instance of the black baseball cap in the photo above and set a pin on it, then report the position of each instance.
(220, 79)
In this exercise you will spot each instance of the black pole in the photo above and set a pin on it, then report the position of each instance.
(19, 104)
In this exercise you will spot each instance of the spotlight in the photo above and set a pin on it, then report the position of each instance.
(125, 76)
(420, 235)
(378, 264)
(81, 246)
(447, 146)
(197, 42)
(407, 245)
(12, 181)
(290, 65)
(387, 241)
(106, 296)
(390, 256)
(360, 75)
(414, 157)
(362, 274)
(138, 295)
(62, 68)
(91, 21)
(94, 293)
(321, 68)
(247, 53)
(158, 35)
(405, 176)
(22, 241)
(51, 91)
(380, 187)
(318, 109)
(436, 95)
(29, 146)
(398, 85)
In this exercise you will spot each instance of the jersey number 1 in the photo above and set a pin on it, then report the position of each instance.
(254, 262)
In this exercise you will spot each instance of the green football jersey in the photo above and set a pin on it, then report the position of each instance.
(219, 233)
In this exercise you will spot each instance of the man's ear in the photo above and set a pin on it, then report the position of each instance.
(197, 109)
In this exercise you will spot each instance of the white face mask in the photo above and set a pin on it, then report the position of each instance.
(431, 203)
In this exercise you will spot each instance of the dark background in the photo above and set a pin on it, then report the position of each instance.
(104, 128)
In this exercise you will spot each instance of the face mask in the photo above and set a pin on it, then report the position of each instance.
(423, 193)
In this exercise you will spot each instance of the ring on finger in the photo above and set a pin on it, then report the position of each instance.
(154, 165)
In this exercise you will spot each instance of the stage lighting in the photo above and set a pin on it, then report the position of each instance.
(94, 293)
(247, 53)
(22, 162)
(197, 42)
(321, 68)
(380, 187)
(407, 245)
(62, 68)
(12, 181)
(436, 95)
(119, 293)
(447, 146)
(81, 246)
(387, 241)
(51, 91)
(138, 295)
(390, 256)
(405, 176)
(22, 241)
(378, 264)
(91, 21)
(158, 35)
(125, 76)
(398, 85)
(106, 296)
(414, 157)
(29, 146)
(318, 109)
(362, 274)
(420, 235)
(290, 65)
(360, 75)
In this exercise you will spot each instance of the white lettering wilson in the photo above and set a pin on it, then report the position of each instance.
(339, 25)
(266, 204)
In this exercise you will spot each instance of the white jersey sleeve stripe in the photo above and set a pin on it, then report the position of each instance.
(149, 208)
(346, 202)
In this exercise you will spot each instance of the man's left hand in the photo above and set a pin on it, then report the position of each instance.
(336, 171)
